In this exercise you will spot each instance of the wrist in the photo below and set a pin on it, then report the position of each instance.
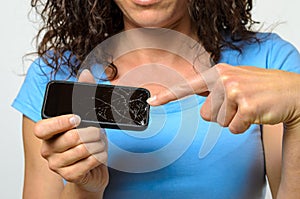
(292, 124)
(76, 191)
(293, 120)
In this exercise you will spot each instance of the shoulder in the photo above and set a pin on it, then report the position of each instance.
(268, 51)
(267, 42)
(41, 69)
(30, 97)
(273, 41)
(281, 54)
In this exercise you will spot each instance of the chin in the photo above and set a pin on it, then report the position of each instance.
(150, 22)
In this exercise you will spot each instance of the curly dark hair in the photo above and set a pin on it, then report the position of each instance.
(77, 26)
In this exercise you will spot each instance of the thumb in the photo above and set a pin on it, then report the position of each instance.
(86, 76)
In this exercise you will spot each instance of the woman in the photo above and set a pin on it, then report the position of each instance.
(164, 161)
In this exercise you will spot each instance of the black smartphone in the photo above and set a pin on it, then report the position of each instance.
(105, 106)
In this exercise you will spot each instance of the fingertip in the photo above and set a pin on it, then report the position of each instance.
(37, 130)
(239, 128)
(47, 128)
(235, 131)
(86, 76)
(152, 100)
(157, 100)
(75, 120)
(204, 115)
(205, 110)
(162, 97)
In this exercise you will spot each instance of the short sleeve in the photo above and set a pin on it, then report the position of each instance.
(30, 97)
(283, 55)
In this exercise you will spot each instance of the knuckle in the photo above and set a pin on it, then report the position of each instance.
(52, 165)
(38, 130)
(231, 87)
(81, 151)
(222, 68)
(232, 94)
(96, 161)
(219, 67)
(45, 152)
(73, 176)
(68, 175)
(59, 122)
(226, 81)
(247, 110)
(71, 137)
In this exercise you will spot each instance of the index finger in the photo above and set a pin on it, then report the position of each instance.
(196, 84)
(86, 76)
(47, 128)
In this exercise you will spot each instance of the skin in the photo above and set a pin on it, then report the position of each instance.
(171, 14)
(53, 149)
(272, 142)
(249, 95)
(58, 142)
(238, 105)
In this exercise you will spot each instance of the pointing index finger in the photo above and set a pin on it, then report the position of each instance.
(199, 84)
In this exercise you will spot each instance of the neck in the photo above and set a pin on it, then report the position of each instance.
(167, 36)
(183, 25)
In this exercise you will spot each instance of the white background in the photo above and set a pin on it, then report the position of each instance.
(17, 33)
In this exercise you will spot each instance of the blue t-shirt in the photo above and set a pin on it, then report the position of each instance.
(180, 155)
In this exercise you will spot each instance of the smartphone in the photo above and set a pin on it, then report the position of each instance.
(105, 106)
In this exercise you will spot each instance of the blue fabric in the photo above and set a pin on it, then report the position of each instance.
(163, 161)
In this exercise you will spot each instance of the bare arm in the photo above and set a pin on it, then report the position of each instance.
(241, 96)
(272, 141)
(290, 178)
(40, 181)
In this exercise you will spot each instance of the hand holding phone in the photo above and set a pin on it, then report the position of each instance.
(105, 106)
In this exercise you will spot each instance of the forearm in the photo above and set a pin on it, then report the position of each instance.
(73, 191)
(290, 179)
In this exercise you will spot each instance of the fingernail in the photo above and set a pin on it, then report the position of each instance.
(102, 131)
(151, 99)
(75, 120)
(85, 71)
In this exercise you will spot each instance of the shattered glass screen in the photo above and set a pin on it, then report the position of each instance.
(107, 105)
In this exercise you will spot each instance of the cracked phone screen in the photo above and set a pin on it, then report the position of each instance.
(105, 105)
